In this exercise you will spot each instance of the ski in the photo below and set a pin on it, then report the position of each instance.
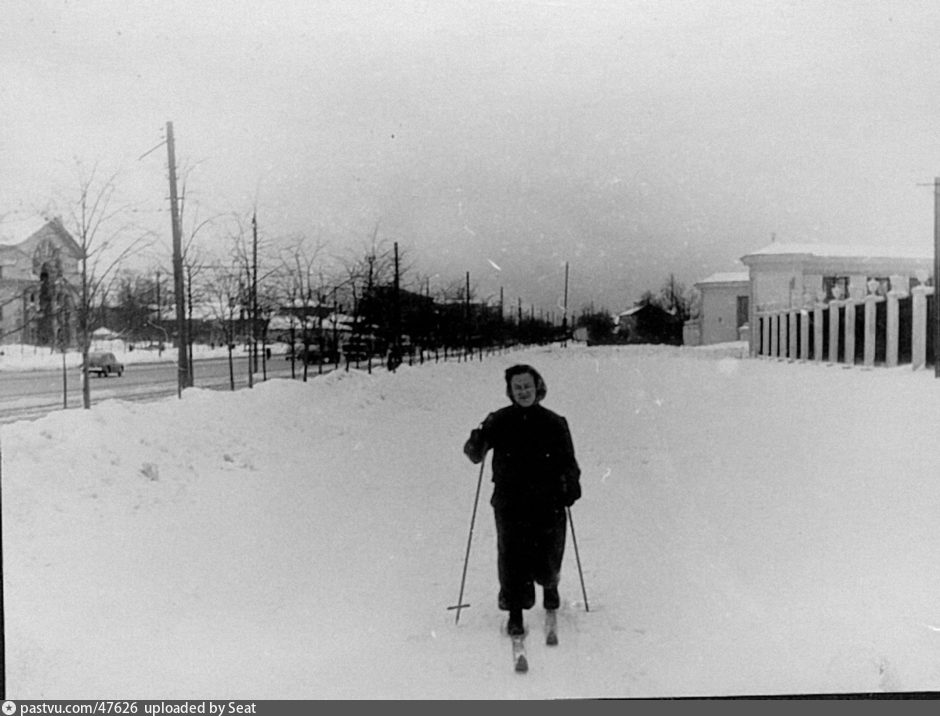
(518, 654)
(551, 627)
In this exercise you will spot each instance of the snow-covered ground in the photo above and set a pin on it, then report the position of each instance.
(747, 527)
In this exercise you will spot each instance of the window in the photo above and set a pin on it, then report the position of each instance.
(881, 284)
(743, 312)
(833, 285)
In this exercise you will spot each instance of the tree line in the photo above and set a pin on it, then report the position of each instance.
(255, 291)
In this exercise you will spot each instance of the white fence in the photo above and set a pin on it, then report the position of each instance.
(887, 330)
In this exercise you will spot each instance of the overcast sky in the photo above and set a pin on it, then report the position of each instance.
(631, 139)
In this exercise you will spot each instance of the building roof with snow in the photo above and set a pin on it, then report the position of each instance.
(16, 231)
(726, 277)
(838, 251)
(642, 308)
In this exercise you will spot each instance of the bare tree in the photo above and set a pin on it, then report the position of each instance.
(223, 292)
(193, 224)
(106, 238)
(136, 297)
(250, 250)
(674, 297)
(194, 266)
(300, 286)
(373, 277)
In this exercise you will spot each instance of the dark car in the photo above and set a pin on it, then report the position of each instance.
(104, 364)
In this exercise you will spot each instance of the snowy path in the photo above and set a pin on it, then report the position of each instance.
(747, 528)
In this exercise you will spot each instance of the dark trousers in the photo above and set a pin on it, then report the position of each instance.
(530, 550)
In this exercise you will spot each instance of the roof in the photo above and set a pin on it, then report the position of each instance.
(16, 231)
(840, 251)
(642, 307)
(726, 277)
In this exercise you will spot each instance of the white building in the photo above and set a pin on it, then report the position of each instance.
(39, 282)
(798, 275)
(724, 309)
(838, 303)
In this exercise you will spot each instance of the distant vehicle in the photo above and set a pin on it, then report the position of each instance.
(104, 364)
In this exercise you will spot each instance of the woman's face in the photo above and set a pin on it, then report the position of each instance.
(523, 389)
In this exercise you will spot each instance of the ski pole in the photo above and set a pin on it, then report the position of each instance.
(460, 605)
(574, 541)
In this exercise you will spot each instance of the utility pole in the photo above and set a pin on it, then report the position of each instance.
(396, 307)
(184, 378)
(502, 318)
(564, 320)
(936, 277)
(467, 316)
(335, 348)
(253, 299)
(428, 331)
(189, 318)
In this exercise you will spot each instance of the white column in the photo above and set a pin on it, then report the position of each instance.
(774, 333)
(919, 326)
(804, 335)
(892, 348)
(850, 332)
(791, 353)
(781, 325)
(834, 331)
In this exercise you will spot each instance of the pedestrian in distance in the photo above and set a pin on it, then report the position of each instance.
(535, 479)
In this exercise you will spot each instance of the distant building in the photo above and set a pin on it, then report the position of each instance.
(797, 275)
(648, 324)
(724, 311)
(852, 304)
(40, 277)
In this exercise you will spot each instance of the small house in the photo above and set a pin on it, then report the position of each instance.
(648, 323)
(724, 308)
(39, 282)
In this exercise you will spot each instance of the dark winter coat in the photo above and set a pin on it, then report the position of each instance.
(534, 466)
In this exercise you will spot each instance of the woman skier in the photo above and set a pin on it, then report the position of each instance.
(535, 478)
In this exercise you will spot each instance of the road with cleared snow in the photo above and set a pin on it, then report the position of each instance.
(32, 394)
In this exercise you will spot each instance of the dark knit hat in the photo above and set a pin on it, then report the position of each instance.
(520, 369)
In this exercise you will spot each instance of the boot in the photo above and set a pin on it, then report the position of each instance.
(515, 627)
(550, 598)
